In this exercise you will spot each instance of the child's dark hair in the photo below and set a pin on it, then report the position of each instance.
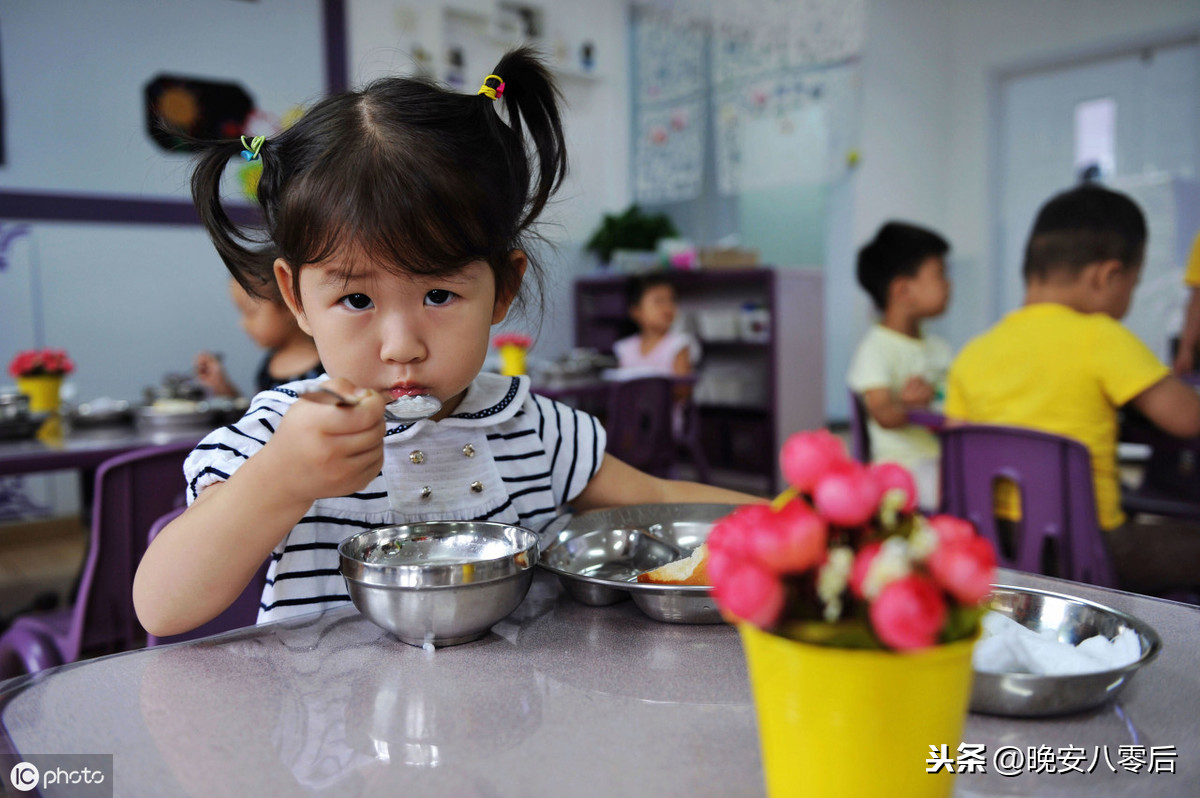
(637, 286)
(1084, 225)
(897, 250)
(417, 178)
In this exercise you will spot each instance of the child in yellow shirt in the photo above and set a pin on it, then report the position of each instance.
(1064, 364)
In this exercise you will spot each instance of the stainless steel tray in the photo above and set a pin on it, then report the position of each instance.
(598, 554)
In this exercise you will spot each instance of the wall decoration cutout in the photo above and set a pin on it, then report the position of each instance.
(178, 107)
(777, 81)
(669, 115)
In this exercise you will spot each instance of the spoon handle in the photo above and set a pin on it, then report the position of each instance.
(327, 396)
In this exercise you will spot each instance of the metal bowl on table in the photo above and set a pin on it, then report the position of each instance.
(597, 556)
(1072, 620)
(13, 406)
(175, 414)
(439, 582)
(100, 413)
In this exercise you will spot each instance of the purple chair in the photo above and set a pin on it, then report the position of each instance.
(243, 611)
(860, 439)
(638, 423)
(131, 491)
(1058, 534)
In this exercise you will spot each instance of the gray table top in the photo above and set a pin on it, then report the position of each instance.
(560, 699)
(87, 448)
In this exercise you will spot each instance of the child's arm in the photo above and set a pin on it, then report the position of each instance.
(1173, 406)
(202, 560)
(617, 484)
(890, 410)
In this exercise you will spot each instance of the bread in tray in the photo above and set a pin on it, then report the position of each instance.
(688, 571)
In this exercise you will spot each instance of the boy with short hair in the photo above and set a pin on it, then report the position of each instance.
(1064, 364)
(897, 367)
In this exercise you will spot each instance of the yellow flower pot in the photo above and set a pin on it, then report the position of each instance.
(512, 360)
(42, 390)
(850, 722)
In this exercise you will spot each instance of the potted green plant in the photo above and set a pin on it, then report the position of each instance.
(633, 229)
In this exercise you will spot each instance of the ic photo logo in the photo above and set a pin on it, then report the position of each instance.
(24, 776)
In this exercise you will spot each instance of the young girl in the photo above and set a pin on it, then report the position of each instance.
(291, 354)
(400, 215)
(655, 348)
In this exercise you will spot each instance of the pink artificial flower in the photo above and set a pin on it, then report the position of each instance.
(808, 456)
(964, 567)
(512, 339)
(848, 494)
(749, 591)
(862, 563)
(893, 476)
(719, 562)
(732, 531)
(34, 362)
(792, 542)
(908, 613)
(950, 528)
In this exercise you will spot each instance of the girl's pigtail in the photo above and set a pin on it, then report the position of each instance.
(245, 263)
(532, 99)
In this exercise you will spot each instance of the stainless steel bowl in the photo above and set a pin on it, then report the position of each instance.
(1073, 620)
(439, 582)
(597, 556)
(14, 406)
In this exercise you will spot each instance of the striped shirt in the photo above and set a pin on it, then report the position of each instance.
(504, 455)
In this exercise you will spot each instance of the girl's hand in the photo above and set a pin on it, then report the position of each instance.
(211, 374)
(322, 450)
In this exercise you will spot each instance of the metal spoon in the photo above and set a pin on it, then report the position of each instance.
(405, 410)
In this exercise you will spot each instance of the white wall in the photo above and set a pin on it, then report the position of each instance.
(596, 119)
(905, 134)
(130, 302)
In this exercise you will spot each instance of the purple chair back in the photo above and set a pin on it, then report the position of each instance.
(638, 423)
(243, 611)
(860, 440)
(132, 491)
(1058, 501)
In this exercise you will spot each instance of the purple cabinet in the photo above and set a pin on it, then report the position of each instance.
(761, 376)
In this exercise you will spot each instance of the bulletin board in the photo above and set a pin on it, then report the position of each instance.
(75, 73)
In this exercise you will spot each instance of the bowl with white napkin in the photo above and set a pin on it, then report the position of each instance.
(1043, 653)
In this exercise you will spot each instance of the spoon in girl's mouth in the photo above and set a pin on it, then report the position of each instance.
(405, 409)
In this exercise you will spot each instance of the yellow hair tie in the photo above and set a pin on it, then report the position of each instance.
(495, 91)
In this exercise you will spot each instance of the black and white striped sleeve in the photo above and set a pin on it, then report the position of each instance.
(574, 443)
(223, 450)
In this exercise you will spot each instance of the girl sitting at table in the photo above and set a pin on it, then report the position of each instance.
(656, 348)
(291, 354)
(400, 215)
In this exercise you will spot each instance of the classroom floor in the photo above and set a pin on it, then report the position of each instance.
(39, 560)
